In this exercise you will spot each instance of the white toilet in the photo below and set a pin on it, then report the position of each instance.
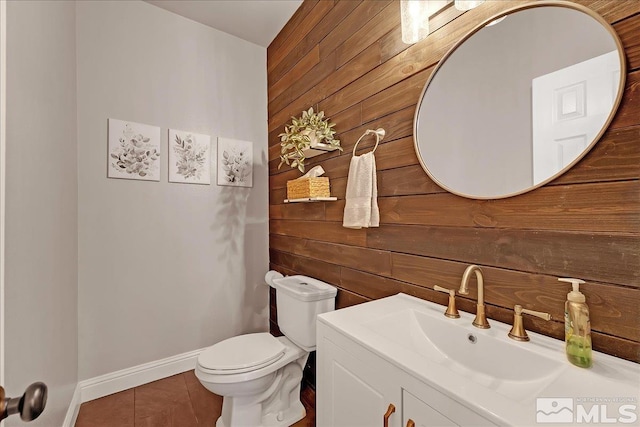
(260, 375)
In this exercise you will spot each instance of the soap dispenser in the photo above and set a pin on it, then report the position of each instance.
(577, 326)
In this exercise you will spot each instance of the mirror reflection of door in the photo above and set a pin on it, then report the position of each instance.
(474, 122)
(569, 107)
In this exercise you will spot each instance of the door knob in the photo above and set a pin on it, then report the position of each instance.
(30, 405)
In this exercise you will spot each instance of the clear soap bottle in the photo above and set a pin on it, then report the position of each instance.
(577, 326)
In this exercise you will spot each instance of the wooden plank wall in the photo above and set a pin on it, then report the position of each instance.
(346, 57)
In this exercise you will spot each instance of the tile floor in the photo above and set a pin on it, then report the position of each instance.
(177, 401)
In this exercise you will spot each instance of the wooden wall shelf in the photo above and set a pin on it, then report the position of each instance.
(317, 149)
(311, 199)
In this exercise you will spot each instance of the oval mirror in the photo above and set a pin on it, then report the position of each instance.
(519, 100)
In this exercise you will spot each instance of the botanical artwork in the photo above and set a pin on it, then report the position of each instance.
(134, 151)
(235, 162)
(189, 157)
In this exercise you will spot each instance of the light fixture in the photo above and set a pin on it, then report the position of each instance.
(467, 4)
(414, 17)
(414, 20)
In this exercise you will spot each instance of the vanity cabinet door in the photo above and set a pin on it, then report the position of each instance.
(425, 406)
(354, 388)
(421, 414)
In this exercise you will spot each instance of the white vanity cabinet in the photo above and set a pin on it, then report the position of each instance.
(355, 388)
(436, 371)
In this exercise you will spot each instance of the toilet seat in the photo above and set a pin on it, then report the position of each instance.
(243, 353)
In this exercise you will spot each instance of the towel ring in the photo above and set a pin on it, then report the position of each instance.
(379, 133)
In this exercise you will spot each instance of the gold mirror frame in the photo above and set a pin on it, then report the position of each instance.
(605, 126)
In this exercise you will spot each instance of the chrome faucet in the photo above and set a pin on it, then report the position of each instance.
(481, 320)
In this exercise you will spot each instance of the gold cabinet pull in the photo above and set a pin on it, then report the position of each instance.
(410, 423)
(390, 410)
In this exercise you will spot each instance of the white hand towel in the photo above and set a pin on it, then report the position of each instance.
(361, 206)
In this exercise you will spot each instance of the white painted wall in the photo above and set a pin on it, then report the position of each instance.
(41, 285)
(166, 268)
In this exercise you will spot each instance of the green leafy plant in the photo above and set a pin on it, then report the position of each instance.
(309, 128)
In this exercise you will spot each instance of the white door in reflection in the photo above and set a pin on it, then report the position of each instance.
(569, 108)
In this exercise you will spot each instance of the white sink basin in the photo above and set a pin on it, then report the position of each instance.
(496, 376)
(483, 356)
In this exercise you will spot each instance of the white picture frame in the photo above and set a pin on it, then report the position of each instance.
(189, 157)
(133, 150)
(235, 162)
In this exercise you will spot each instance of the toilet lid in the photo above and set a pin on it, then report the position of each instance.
(242, 353)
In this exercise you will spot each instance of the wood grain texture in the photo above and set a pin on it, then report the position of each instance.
(404, 93)
(297, 82)
(317, 230)
(585, 224)
(281, 39)
(566, 208)
(319, 269)
(613, 309)
(371, 31)
(351, 24)
(396, 123)
(310, 60)
(628, 32)
(563, 254)
(325, 26)
(309, 211)
(402, 181)
(347, 299)
(416, 58)
(617, 207)
(307, 24)
(405, 181)
(612, 10)
(370, 260)
(629, 110)
(365, 61)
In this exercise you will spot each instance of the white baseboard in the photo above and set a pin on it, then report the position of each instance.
(125, 379)
(74, 408)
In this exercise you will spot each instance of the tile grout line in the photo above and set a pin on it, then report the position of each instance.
(134, 406)
(139, 395)
(182, 375)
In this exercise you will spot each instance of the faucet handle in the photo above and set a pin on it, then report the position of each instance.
(518, 332)
(445, 290)
(451, 311)
(540, 314)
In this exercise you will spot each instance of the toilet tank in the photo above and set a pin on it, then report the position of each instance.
(299, 300)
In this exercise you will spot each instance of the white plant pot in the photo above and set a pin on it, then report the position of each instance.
(316, 148)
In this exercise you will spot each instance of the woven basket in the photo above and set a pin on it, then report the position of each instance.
(308, 187)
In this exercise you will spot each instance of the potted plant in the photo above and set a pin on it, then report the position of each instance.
(307, 136)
